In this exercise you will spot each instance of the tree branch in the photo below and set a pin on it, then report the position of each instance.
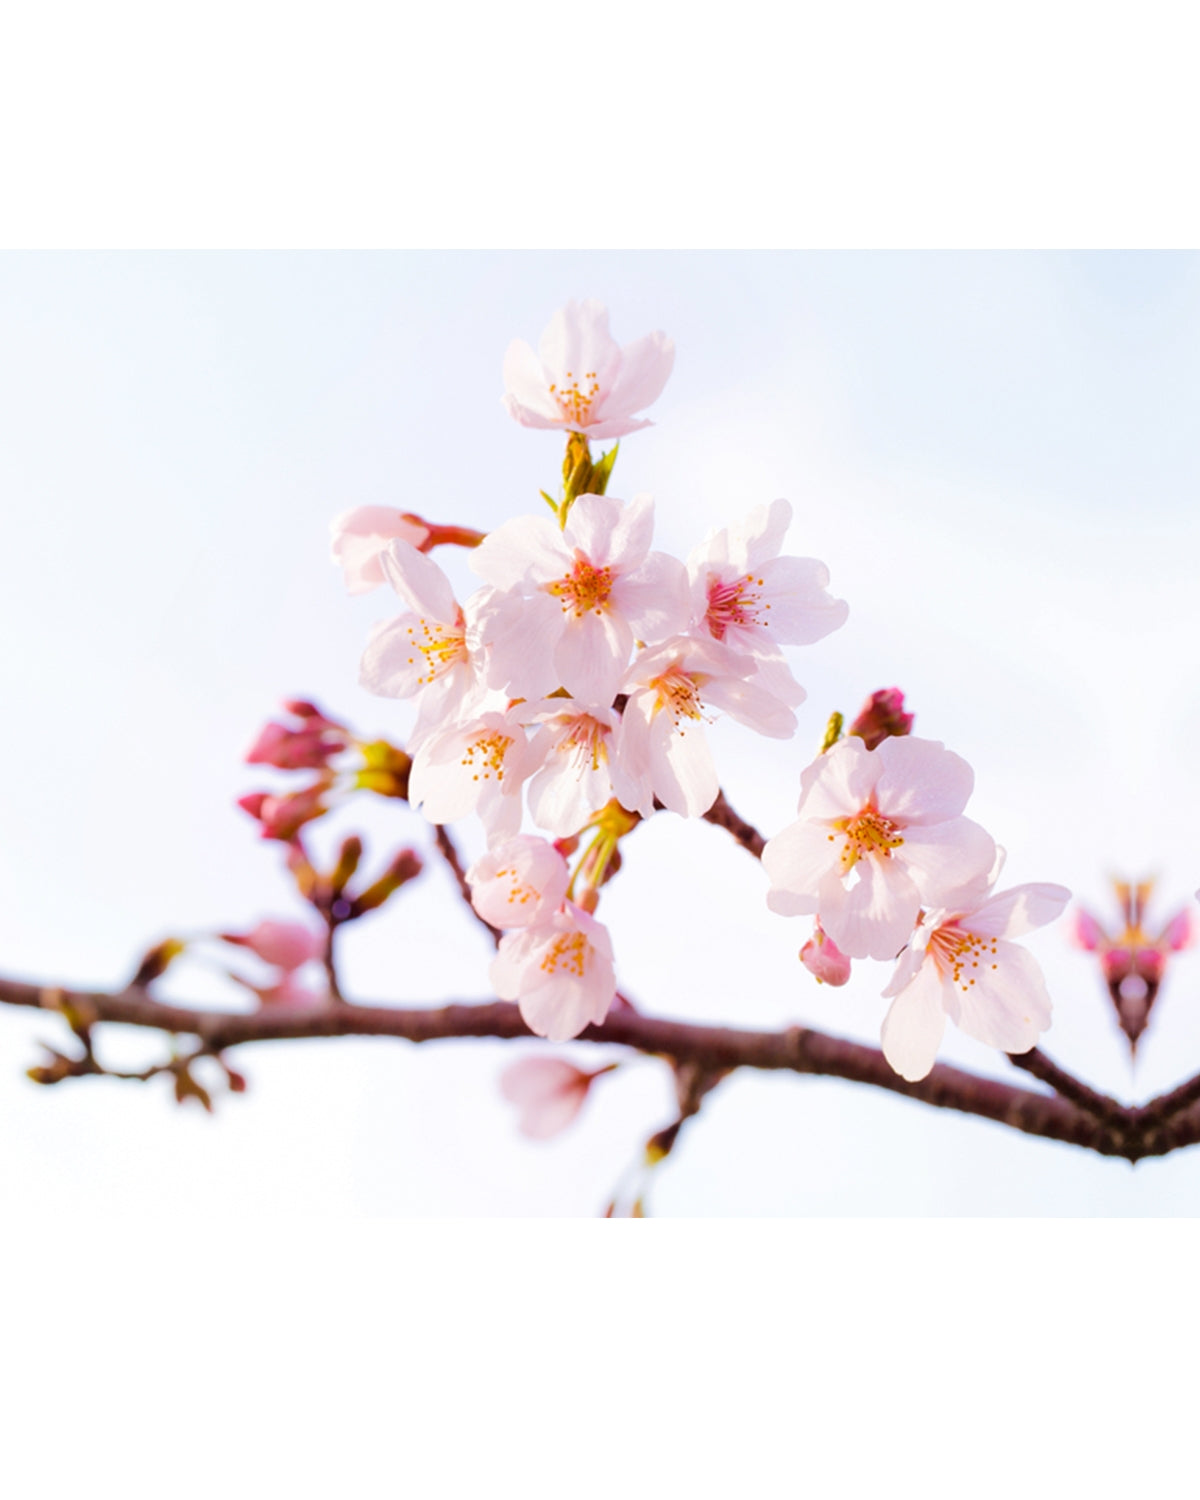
(1104, 1125)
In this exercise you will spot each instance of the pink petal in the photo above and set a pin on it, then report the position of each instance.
(914, 1026)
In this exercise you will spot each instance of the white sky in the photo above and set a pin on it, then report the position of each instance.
(991, 452)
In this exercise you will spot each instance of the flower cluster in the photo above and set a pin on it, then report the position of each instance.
(882, 855)
(576, 683)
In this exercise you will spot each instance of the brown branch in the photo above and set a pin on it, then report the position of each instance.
(746, 834)
(1130, 1132)
(449, 852)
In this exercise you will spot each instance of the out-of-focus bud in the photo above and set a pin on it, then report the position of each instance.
(385, 770)
(156, 962)
(405, 866)
(283, 817)
(880, 716)
(302, 870)
(822, 957)
(347, 862)
(661, 1143)
(308, 746)
(187, 1087)
(548, 1092)
(283, 945)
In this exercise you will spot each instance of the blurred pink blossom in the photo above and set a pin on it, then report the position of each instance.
(548, 1092)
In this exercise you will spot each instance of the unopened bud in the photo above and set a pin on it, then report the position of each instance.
(385, 770)
(404, 867)
(347, 862)
(156, 962)
(882, 715)
(823, 958)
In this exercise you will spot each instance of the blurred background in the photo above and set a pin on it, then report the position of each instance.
(993, 453)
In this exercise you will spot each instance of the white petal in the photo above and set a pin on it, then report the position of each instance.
(946, 856)
(1021, 909)
(913, 1027)
(419, 581)
(874, 918)
(1004, 1002)
(921, 781)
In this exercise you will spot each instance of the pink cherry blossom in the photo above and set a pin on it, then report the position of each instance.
(822, 957)
(573, 600)
(753, 601)
(518, 882)
(308, 746)
(477, 766)
(961, 964)
(662, 750)
(548, 1091)
(581, 380)
(560, 973)
(284, 945)
(425, 652)
(359, 536)
(580, 769)
(880, 834)
(290, 993)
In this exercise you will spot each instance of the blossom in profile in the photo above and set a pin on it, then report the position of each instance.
(962, 964)
(1133, 958)
(559, 971)
(548, 1093)
(359, 536)
(880, 834)
(571, 601)
(424, 653)
(753, 601)
(581, 379)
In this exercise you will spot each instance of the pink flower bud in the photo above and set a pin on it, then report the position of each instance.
(548, 1092)
(307, 747)
(285, 945)
(283, 817)
(880, 716)
(822, 957)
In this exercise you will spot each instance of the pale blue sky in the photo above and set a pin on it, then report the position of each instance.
(992, 453)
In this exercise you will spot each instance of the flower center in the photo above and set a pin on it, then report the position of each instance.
(568, 951)
(584, 741)
(957, 953)
(583, 588)
(867, 833)
(574, 401)
(736, 602)
(442, 646)
(679, 694)
(519, 894)
(485, 754)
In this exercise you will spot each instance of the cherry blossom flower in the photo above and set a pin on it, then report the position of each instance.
(581, 380)
(662, 749)
(478, 766)
(571, 601)
(753, 601)
(359, 536)
(560, 973)
(283, 945)
(291, 993)
(580, 770)
(822, 957)
(425, 652)
(961, 964)
(549, 1093)
(880, 834)
(518, 882)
